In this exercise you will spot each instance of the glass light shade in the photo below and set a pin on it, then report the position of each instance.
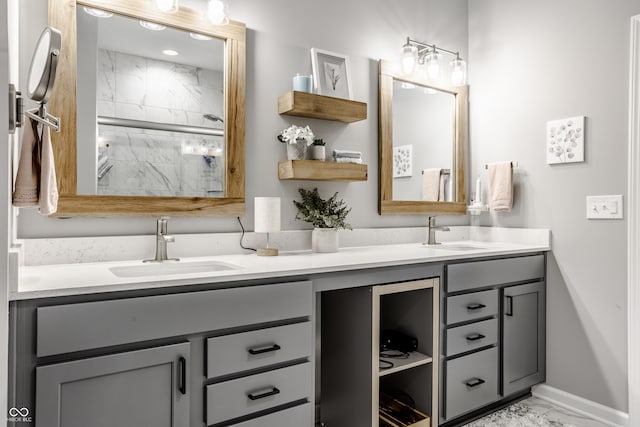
(409, 58)
(167, 6)
(97, 12)
(432, 60)
(217, 12)
(458, 72)
(152, 26)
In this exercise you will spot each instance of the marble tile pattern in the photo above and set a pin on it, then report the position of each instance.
(534, 412)
(158, 163)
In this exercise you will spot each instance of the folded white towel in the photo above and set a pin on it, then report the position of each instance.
(36, 184)
(348, 160)
(501, 186)
(432, 184)
(347, 153)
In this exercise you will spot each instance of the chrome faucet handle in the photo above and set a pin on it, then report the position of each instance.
(431, 231)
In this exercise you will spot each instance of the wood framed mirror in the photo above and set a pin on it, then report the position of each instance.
(422, 132)
(227, 189)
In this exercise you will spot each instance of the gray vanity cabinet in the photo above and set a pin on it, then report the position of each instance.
(523, 322)
(145, 388)
(493, 328)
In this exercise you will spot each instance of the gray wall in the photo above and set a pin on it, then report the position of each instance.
(279, 36)
(531, 62)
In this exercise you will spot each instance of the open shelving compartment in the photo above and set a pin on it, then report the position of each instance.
(352, 382)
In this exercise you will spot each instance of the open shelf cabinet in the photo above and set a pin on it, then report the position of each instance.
(315, 170)
(321, 107)
(352, 382)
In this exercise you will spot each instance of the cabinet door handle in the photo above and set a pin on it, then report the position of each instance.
(182, 385)
(508, 310)
(256, 396)
(260, 350)
(474, 382)
(474, 337)
(475, 306)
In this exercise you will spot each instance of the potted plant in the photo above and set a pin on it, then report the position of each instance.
(327, 216)
(317, 149)
(297, 138)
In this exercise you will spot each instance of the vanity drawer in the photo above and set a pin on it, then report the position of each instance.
(473, 275)
(472, 306)
(249, 350)
(231, 399)
(84, 326)
(470, 337)
(471, 382)
(296, 416)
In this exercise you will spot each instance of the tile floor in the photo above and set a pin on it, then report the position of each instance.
(534, 412)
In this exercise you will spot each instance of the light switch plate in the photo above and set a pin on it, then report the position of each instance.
(604, 207)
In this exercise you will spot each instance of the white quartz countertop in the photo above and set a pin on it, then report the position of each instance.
(43, 281)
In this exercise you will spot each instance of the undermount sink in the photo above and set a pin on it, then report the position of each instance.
(169, 267)
(454, 247)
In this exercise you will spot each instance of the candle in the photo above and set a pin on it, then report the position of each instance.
(302, 83)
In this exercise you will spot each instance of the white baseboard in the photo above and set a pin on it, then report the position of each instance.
(596, 411)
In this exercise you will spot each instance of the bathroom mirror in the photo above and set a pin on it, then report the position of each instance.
(42, 70)
(422, 144)
(147, 134)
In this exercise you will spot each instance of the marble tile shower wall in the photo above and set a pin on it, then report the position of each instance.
(159, 163)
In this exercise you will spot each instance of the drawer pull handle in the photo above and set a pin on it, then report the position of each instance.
(272, 392)
(475, 306)
(509, 306)
(474, 337)
(475, 382)
(182, 362)
(260, 350)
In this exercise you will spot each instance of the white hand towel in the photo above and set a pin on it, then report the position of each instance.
(501, 186)
(431, 184)
(441, 189)
(348, 160)
(36, 184)
(347, 153)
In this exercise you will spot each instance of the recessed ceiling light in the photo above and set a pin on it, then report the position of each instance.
(197, 36)
(97, 12)
(170, 52)
(152, 26)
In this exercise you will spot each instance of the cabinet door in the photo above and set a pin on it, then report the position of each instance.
(145, 388)
(524, 336)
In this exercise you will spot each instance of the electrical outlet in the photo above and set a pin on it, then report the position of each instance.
(604, 207)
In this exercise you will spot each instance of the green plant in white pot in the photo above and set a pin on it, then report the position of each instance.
(327, 217)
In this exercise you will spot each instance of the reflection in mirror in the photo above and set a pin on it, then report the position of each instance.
(150, 110)
(423, 141)
(422, 144)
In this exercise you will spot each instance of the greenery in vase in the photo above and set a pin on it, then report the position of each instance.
(330, 213)
(319, 142)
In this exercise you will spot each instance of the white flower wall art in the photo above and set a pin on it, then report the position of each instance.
(565, 140)
(402, 161)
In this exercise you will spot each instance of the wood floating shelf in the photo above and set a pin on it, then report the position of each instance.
(321, 107)
(316, 170)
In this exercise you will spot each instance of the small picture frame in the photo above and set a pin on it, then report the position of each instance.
(331, 74)
(403, 161)
(565, 140)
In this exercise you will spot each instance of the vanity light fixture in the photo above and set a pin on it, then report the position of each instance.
(415, 52)
(217, 12)
(167, 6)
(97, 12)
(152, 26)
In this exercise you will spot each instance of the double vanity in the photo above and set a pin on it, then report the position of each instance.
(289, 340)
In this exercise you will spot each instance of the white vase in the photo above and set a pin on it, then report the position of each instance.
(324, 240)
(297, 151)
(317, 152)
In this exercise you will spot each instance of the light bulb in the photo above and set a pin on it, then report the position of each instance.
(458, 72)
(167, 6)
(216, 12)
(409, 58)
(433, 65)
(97, 12)
(152, 26)
(197, 36)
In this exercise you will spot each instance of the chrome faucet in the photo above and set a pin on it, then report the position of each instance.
(162, 238)
(431, 231)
